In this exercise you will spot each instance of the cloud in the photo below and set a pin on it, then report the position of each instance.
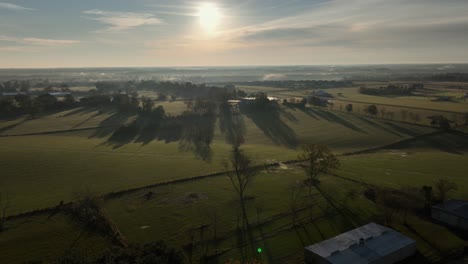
(13, 7)
(396, 23)
(121, 21)
(31, 41)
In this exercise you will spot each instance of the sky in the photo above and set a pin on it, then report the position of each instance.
(159, 33)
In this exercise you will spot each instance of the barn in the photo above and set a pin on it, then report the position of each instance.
(453, 213)
(371, 243)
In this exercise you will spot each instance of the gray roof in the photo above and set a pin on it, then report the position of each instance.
(455, 207)
(377, 241)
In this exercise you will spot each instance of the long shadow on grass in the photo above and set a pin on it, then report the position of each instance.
(449, 142)
(351, 218)
(4, 129)
(331, 117)
(87, 119)
(194, 132)
(377, 125)
(402, 129)
(110, 124)
(232, 125)
(269, 121)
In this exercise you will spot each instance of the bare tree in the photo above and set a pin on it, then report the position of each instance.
(316, 160)
(241, 172)
(404, 115)
(443, 187)
(4, 206)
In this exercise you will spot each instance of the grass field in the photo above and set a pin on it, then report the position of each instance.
(46, 238)
(70, 162)
(189, 206)
(41, 170)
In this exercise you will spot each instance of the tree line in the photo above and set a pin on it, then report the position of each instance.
(305, 84)
(392, 90)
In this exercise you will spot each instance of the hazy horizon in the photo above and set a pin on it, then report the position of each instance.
(143, 33)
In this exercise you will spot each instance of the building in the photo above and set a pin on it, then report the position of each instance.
(453, 213)
(371, 243)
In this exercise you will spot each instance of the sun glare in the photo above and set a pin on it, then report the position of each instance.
(209, 16)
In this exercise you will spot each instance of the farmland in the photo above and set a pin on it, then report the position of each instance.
(160, 190)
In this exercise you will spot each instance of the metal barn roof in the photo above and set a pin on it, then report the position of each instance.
(361, 245)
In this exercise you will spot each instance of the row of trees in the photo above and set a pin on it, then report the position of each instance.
(167, 89)
(392, 90)
(439, 121)
(28, 105)
(305, 84)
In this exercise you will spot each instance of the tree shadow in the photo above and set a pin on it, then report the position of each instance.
(197, 134)
(377, 125)
(350, 217)
(194, 132)
(232, 125)
(402, 129)
(269, 121)
(303, 109)
(332, 117)
(450, 142)
(87, 119)
(6, 128)
(110, 124)
(82, 111)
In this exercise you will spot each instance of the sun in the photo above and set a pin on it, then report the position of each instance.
(209, 16)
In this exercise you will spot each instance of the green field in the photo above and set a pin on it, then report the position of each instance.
(191, 205)
(46, 237)
(71, 162)
(68, 153)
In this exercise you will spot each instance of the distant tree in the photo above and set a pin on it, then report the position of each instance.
(465, 118)
(443, 187)
(428, 195)
(404, 115)
(4, 206)
(173, 97)
(147, 105)
(69, 99)
(371, 110)
(162, 97)
(440, 121)
(316, 160)
(383, 111)
(46, 101)
(24, 86)
(241, 93)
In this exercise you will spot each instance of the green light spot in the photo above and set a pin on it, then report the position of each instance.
(259, 250)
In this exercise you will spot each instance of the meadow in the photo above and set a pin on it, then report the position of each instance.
(70, 162)
(58, 156)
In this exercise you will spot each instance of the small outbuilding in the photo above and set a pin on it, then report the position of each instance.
(453, 213)
(372, 243)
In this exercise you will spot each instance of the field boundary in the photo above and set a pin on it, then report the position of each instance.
(56, 131)
(399, 106)
(112, 195)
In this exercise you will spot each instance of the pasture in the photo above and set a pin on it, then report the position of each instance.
(69, 152)
(204, 213)
(71, 162)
